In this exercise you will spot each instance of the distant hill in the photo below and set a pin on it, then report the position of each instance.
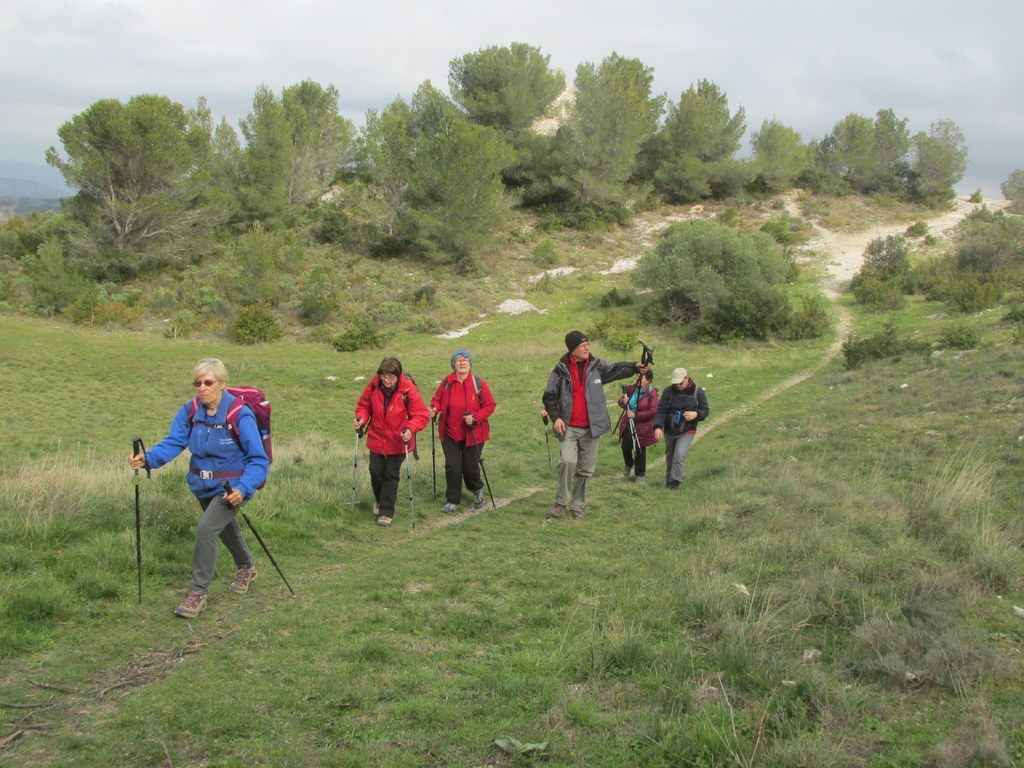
(33, 189)
(27, 187)
(13, 170)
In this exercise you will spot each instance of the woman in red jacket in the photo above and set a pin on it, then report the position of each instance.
(464, 402)
(393, 412)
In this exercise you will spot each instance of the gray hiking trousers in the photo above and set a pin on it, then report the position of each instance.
(218, 521)
(577, 460)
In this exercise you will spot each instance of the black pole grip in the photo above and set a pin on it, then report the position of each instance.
(545, 419)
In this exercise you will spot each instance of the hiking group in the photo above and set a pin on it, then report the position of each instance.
(227, 432)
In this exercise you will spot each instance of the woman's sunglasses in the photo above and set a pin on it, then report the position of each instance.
(203, 383)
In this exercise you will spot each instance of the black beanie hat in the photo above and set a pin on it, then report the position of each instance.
(574, 338)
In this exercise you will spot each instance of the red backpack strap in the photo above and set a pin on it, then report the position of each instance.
(192, 408)
(231, 419)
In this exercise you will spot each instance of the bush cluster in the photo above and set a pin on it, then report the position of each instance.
(884, 277)
(254, 324)
(886, 344)
(363, 333)
(960, 336)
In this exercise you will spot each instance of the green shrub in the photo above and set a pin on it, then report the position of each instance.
(1015, 314)
(960, 336)
(785, 230)
(967, 294)
(882, 295)
(615, 299)
(615, 330)
(917, 229)
(182, 325)
(729, 217)
(425, 324)
(976, 197)
(749, 311)
(425, 296)
(54, 283)
(82, 311)
(390, 312)
(254, 324)
(364, 333)
(319, 300)
(810, 321)
(117, 313)
(544, 253)
(886, 344)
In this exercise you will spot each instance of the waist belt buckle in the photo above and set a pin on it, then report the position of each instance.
(205, 474)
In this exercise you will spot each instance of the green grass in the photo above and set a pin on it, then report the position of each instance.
(834, 587)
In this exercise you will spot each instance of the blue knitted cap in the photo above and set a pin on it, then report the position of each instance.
(461, 352)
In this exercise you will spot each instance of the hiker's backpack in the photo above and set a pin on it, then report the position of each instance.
(255, 401)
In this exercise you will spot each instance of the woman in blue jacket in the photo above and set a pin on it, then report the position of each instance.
(201, 425)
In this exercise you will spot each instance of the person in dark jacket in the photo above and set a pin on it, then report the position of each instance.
(574, 399)
(394, 411)
(463, 403)
(215, 457)
(682, 406)
(639, 403)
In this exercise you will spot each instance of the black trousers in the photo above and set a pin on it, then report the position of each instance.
(461, 463)
(637, 463)
(385, 474)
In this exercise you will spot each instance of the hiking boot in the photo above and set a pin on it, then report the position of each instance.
(639, 479)
(384, 521)
(577, 514)
(243, 579)
(626, 471)
(557, 510)
(478, 499)
(191, 606)
(376, 509)
(450, 509)
(672, 485)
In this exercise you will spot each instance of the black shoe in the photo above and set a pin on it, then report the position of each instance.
(672, 485)
(478, 499)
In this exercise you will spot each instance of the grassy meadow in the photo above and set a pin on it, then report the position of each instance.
(837, 584)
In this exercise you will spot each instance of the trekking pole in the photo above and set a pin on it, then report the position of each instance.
(433, 458)
(355, 465)
(229, 489)
(635, 437)
(480, 459)
(408, 474)
(137, 446)
(547, 439)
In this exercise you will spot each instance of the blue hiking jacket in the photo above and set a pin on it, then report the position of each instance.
(214, 450)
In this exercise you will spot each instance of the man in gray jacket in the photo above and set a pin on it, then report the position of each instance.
(574, 399)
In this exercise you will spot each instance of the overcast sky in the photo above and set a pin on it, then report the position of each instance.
(807, 64)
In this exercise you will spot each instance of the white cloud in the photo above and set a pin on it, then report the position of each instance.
(808, 64)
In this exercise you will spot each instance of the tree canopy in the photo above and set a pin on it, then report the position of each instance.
(506, 88)
(940, 161)
(613, 115)
(692, 154)
(438, 175)
(294, 145)
(138, 170)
